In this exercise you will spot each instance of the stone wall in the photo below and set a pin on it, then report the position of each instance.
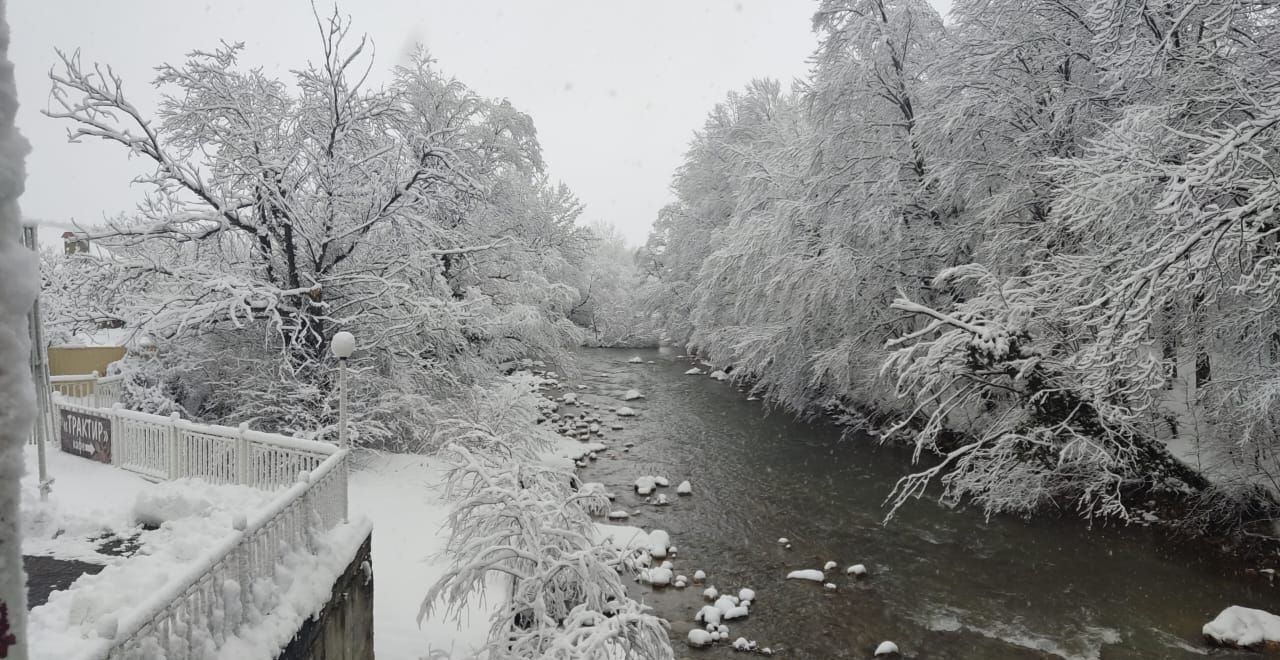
(344, 628)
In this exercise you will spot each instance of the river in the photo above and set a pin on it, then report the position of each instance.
(943, 583)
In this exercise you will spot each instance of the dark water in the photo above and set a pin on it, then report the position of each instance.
(943, 583)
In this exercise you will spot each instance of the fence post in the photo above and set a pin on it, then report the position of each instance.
(55, 415)
(175, 443)
(242, 455)
(117, 437)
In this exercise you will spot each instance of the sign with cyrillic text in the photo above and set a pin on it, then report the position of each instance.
(85, 434)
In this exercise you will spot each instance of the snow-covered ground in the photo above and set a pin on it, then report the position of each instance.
(402, 495)
(88, 499)
(191, 518)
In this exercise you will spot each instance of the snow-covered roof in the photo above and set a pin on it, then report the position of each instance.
(102, 337)
(49, 234)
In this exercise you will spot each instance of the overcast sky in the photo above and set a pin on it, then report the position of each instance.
(616, 89)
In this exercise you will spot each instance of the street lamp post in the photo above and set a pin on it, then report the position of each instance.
(343, 345)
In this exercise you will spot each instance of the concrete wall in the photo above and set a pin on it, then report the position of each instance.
(81, 360)
(344, 628)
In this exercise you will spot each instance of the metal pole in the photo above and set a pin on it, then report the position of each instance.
(342, 402)
(342, 431)
(40, 374)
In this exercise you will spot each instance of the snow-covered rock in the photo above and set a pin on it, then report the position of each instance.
(632, 395)
(737, 612)
(1243, 626)
(887, 648)
(709, 615)
(741, 644)
(618, 515)
(718, 375)
(685, 488)
(569, 399)
(699, 638)
(807, 574)
(694, 372)
(710, 593)
(661, 500)
(746, 594)
(857, 569)
(626, 412)
(830, 566)
(699, 575)
(658, 577)
(645, 485)
(783, 541)
(725, 603)
(659, 541)
(661, 481)
(830, 586)
(680, 583)
(636, 360)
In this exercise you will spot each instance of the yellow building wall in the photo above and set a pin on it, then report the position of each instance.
(80, 360)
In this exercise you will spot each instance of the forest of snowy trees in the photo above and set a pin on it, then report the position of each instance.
(1039, 239)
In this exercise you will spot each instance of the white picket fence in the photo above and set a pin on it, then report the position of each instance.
(194, 615)
(89, 389)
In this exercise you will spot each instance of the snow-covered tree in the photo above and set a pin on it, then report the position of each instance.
(18, 286)
(609, 290)
(414, 215)
(1056, 215)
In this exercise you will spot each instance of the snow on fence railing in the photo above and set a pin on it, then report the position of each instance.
(90, 389)
(172, 448)
(231, 585)
(195, 613)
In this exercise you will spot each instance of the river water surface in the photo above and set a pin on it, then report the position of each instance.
(943, 583)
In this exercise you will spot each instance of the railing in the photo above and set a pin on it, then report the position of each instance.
(194, 615)
(90, 389)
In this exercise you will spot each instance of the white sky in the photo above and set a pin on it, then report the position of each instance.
(616, 89)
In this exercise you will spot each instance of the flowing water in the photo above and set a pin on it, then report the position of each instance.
(943, 583)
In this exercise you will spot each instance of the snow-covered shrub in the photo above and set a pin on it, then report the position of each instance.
(516, 518)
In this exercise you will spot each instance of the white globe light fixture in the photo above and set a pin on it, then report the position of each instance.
(343, 345)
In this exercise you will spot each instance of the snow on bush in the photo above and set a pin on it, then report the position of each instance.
(517, 520)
